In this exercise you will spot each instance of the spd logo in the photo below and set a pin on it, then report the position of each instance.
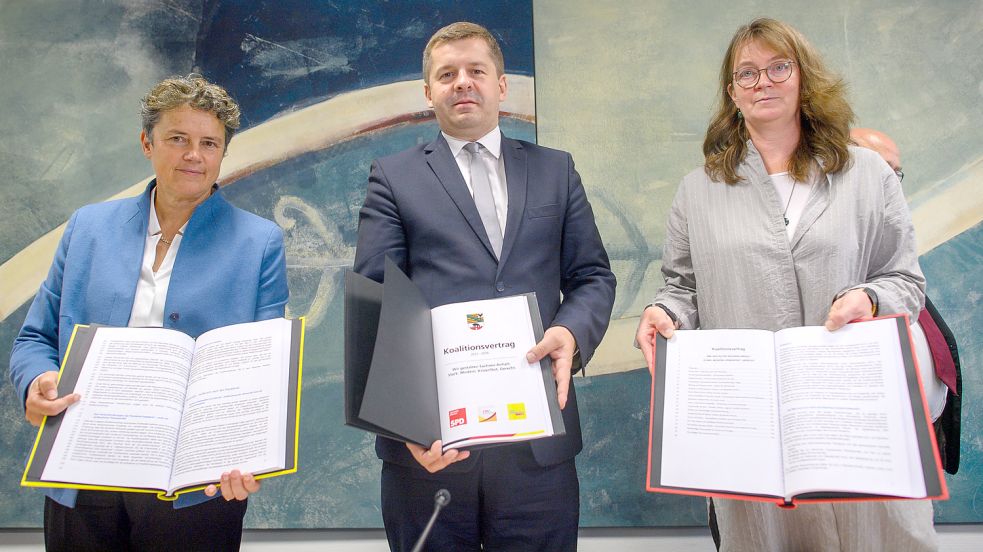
(458, 417)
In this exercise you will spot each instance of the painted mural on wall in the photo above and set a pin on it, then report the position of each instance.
(324, 90)
(628, 88)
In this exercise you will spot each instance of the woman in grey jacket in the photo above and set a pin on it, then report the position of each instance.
(787, 225)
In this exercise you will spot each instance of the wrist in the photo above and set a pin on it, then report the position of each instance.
(872, 295)
(672, 316)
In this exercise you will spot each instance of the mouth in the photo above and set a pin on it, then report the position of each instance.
(191, 172)
(466, 101)
(764, 99)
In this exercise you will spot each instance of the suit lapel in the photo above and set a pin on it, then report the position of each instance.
(444, 166)
(516, 181)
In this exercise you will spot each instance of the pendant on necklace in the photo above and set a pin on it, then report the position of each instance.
(786, 220)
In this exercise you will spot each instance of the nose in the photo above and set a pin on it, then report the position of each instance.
(463, 81)
(193, 153)
(762, 77)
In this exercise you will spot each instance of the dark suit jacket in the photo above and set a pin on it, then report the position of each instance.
(419, 212)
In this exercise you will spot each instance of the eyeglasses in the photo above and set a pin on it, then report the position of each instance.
(779, 71)
(900, 174)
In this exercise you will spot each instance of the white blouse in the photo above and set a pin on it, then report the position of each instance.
(148, 302)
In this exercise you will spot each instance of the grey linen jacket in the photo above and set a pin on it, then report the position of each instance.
(728, 262)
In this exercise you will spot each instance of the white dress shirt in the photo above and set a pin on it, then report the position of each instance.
(494, 163)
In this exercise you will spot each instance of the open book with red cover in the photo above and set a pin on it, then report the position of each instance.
(797, 415)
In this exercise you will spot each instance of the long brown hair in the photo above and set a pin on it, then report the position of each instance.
(825, 114)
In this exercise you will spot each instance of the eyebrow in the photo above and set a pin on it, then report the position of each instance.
(776, 57)
(451, 66)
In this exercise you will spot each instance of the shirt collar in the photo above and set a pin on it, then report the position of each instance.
(491, 141)
(154, 227)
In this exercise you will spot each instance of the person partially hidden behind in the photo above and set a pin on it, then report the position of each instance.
(178, 256)
(477, 215)
(786, 225)
(935, 345)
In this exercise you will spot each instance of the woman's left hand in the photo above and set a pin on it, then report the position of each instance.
(853, 305)
(235, 486)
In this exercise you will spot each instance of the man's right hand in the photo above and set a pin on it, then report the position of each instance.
(42, 398)
(432, 459)
(653, 319)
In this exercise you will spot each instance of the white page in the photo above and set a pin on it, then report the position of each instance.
(720, 428)
(846, 416)
(124, 430)
(236, 408)
(486, 388)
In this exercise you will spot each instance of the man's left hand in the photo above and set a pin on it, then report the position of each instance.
(560, 345)
(235, 486)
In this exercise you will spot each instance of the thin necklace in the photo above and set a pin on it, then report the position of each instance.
(168, 242)
(787, 203)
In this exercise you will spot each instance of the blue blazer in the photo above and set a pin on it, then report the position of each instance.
(229, 269)
(419, 212)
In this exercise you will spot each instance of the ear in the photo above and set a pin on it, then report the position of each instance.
(503, 88)
(427, 93)
(145, 144)
(730, 92)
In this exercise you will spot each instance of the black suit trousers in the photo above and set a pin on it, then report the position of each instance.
(505, 502)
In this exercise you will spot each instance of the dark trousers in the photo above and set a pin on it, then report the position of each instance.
(110, 521)
(506, 502)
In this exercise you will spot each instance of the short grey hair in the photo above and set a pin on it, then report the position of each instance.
(192, 90)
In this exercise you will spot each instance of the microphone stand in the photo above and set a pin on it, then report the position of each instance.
(441, 499)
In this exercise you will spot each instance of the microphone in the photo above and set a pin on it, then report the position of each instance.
(441, 499)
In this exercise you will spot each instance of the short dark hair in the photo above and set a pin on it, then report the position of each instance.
(460, 31)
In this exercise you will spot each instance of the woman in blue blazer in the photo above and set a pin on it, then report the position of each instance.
(178, 256)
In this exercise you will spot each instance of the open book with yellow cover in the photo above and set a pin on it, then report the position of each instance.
(164, 413)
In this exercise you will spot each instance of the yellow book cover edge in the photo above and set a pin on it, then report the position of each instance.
(37, 440)
(162, 495)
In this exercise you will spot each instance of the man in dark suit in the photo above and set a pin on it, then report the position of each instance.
(476, 215)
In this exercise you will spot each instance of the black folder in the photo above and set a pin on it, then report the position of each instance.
(390, 379)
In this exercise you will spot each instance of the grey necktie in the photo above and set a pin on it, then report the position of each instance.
(483, 199)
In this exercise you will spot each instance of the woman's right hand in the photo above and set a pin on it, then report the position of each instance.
(42, 398)
(653, 320)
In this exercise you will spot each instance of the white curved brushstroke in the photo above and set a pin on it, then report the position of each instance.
(310, 129)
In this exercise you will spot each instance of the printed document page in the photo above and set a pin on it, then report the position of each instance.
(846, 412)
(124, 430)
(720, 426)
(236, 410)
(487, 391)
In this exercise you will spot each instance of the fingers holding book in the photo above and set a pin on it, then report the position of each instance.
(43, 400)
(235, 486)
(432, 459)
